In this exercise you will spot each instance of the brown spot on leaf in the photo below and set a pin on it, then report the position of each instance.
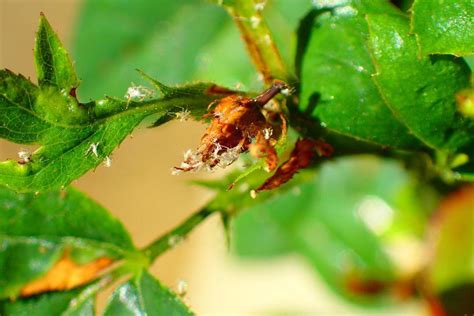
(301, 157)
(65, 275)
(365, 287)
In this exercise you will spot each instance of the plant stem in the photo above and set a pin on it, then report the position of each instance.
(258, 39)
(467, 177)
(172, 238)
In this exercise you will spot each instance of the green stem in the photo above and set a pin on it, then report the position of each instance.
(466, 177)
(172, 238)
(258, 38)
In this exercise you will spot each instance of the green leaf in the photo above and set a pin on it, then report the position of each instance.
(419, 92)
(337, 86)
(37, 231)
(370, 84)
(77, 302)
(144, 295)
(53, 65)
(324, 221)
(74, 137)
(444, 27)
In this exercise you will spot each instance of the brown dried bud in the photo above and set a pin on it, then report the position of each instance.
(237, 121)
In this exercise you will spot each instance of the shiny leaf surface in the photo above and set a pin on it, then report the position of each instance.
(444, 27)
(144, 295)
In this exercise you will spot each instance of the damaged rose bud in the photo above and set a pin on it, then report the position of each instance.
(264, 147)
(304, 153)
(238, 124)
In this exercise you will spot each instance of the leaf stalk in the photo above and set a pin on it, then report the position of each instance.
(258, 39)
(176, 235)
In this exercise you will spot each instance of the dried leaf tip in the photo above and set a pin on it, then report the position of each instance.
(305, 151)
(65, 275)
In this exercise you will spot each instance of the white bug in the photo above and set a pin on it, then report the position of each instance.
(183, 115)
(25, 156)
(260, 6)
(137, 93)
(255, 21)
(182, 288)
(267, 133)
(108, 162)
(93, 149)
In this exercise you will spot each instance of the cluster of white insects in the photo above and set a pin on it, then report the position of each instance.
(93, 149)
(135, 92)
(193, 162)
(183, 115)
(267, 133)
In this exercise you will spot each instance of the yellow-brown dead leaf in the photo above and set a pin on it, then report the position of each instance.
(65, 275)
(301, 157)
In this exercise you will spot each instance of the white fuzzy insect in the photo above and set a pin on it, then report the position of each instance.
(182, 288)
(25, 156)
(93, 149)
(260, 6)
(108, 162)
(183, 115)
(255, 21)
(267, 133)
(137, 93)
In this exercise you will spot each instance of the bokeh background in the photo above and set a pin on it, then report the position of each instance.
(140, 190)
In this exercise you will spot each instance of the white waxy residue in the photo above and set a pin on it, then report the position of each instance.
(255, 21)
(182, 288)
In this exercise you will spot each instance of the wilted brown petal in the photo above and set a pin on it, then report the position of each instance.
(301, 157)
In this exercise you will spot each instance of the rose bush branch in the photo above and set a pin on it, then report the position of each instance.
(258, 39)
(176, 235)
